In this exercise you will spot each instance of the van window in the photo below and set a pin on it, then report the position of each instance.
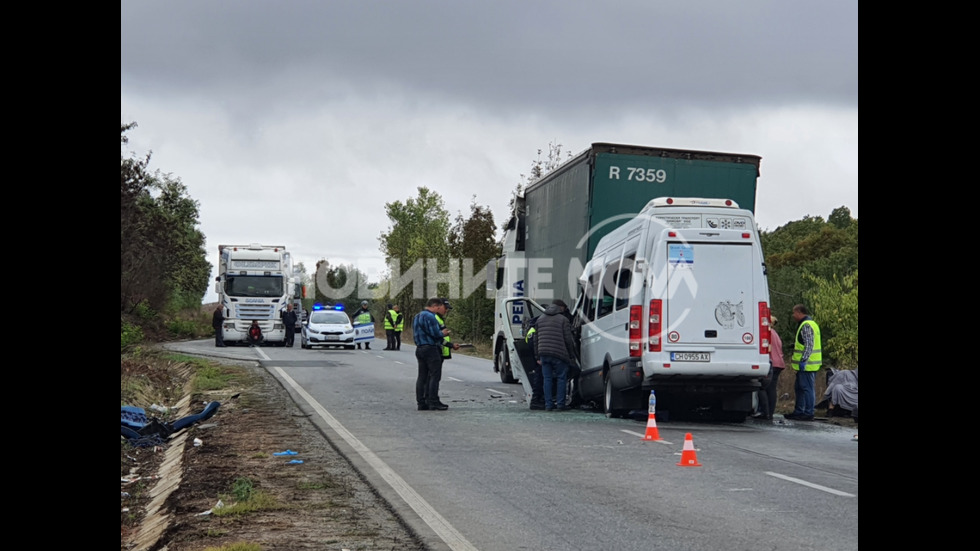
(610, 274)
(623, 281)
(590, 296)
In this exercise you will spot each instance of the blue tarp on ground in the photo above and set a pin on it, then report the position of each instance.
(136, 425)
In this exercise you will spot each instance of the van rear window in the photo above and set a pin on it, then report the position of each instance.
(680, 254)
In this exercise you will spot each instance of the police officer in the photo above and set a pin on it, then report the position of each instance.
(392, 319)
(399, 327)
(363, 317)
(447, 345)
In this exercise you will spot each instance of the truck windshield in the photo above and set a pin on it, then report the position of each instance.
(254, 286)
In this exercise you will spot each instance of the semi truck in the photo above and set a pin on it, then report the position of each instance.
(561, 218)
(254, 282)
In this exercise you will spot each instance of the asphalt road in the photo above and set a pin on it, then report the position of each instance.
(490, 474)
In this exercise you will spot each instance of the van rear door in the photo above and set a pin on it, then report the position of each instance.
(711, 294)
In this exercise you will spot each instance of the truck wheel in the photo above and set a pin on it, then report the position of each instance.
(503, 366)
(607, 402)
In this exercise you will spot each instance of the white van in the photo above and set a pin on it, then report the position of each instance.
(676, 300)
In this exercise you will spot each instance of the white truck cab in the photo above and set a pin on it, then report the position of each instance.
(676, 300)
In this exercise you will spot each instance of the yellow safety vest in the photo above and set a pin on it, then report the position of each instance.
(447, 350)
(389, 319)
(816, 358)
(399, 322)
(530, 333)
(362, 318)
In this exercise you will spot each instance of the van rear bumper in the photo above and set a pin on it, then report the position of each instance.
(703, 384)
(630, 376)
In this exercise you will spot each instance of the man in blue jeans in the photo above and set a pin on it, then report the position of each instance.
(806, 361)
(428, 351)
(555, 349)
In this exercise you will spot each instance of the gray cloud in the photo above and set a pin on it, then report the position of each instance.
(525, 55)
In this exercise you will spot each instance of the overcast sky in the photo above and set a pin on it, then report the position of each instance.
(294, 122)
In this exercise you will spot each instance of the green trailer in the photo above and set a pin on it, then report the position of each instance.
(561, 217)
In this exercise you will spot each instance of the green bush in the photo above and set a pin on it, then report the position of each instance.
(131, 335)
(183, 329)
(143, 311)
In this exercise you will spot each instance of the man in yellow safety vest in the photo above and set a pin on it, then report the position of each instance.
(806, 361)
(394, 323)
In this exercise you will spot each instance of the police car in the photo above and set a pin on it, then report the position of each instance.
(327, 326)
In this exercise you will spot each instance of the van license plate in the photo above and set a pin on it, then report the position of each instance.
(689, 357)
(332, 337)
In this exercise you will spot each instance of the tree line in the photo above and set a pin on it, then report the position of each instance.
(815, 263)
(163, 264)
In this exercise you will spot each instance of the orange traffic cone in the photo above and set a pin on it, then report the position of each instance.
(652, 432)
(689, 458)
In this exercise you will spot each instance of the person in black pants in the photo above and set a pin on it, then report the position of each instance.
(216, 321)
(777, 363)
(289, 321)
(399, 327)
(428, 352)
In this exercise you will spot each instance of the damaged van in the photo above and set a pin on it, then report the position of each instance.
(675, 301)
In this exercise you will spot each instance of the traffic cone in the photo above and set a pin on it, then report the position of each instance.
(689, 458)
(652, 432)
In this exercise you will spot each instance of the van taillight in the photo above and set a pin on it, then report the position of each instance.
(764, 328)
(653, 344)
(636, 312)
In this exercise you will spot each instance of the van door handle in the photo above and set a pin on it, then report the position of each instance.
(627, 327)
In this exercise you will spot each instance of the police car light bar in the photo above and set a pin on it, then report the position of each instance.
(338, 306)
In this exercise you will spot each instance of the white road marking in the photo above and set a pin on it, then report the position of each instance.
(261, 352)
(643, 435)
(810, 484)
(454, 379)
(496, 391)
(440, 525)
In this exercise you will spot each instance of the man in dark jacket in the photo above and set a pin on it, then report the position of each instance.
(289, 321)
(217, 320)
(555, 350)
